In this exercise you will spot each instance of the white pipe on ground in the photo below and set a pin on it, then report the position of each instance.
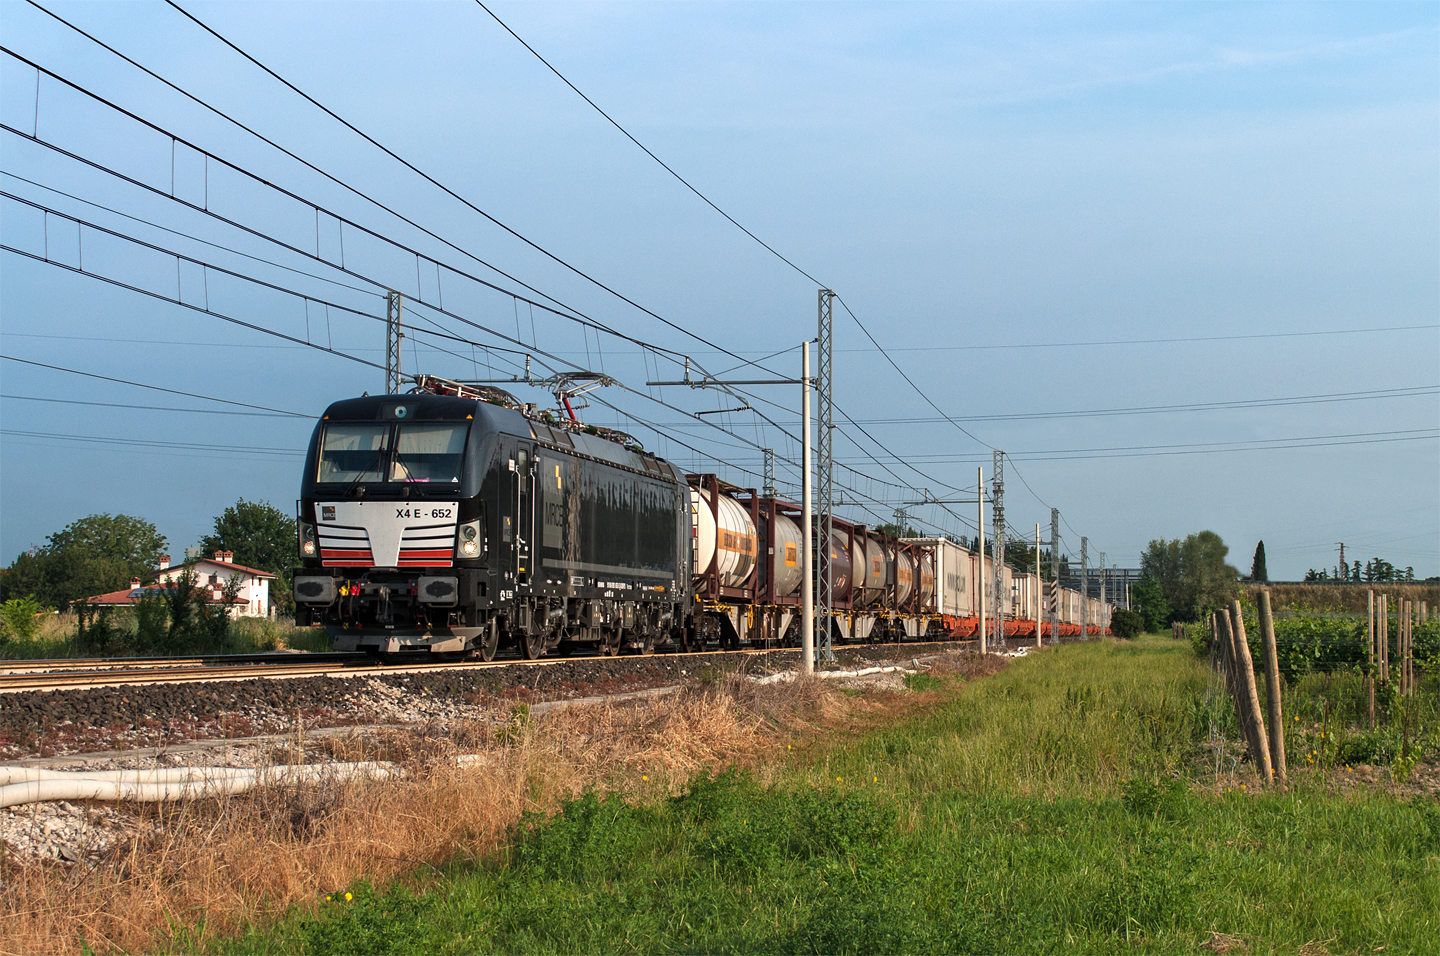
(172, 783)
(863, 672)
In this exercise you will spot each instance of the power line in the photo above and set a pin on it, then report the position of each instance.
(153, 388)
(907, 378)
(308, 165)
(1168, 341)
(646, 150)
(1322, 398)
(150, 408)
(582, 320)
(239, 169)
(194, 238)
(247, 450)
(446, 189)
(1262, 444)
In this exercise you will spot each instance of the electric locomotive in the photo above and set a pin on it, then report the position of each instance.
(458, 525)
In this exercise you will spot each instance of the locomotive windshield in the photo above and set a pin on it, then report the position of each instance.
(429, 452)
(353, 451)
(356, 452)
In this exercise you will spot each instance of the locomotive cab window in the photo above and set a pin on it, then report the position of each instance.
(429, 452)
(353, 451)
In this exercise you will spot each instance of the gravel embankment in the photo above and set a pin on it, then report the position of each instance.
(46, 723)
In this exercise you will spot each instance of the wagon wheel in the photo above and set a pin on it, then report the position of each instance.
(532, 645)
(489, 642)
(610, 642)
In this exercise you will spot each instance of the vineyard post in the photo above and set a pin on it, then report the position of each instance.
(1383, 635)
(1402, 606)
(1229, 671)
(1409, 647)
(1272, 688)
(1259, 742)
(1370, 657)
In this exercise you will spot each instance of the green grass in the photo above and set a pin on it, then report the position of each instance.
(1065, 805)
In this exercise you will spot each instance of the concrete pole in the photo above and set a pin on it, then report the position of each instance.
(980, 544)
(807, 585)
(1039, 591)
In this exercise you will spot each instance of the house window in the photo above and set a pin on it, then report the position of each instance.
(214, 579)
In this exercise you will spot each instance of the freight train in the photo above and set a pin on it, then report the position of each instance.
(460, 522)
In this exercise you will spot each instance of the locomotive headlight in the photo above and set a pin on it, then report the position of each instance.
(467, 544)
(308, 545)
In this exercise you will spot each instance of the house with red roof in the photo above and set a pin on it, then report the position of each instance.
(251, 599)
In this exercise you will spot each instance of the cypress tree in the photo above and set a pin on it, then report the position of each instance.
(1257, 567)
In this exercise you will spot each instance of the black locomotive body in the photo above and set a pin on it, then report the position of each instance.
(449, 524)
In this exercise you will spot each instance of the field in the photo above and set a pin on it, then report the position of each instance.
(1086, 799)
(1341, 597)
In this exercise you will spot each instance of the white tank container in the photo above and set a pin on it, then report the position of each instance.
(873, 560)
(730, 542)
(927, 579)
(904, 577)
(787, 565)
(841, 567)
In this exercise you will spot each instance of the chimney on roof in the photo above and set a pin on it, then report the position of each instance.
(164, 562)
(134, 583)
(229, 557)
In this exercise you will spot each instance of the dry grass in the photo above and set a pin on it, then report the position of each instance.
(1341, 597)
(225, 864)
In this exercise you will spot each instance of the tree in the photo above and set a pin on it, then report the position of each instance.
(261, 536)
(897, 530)
(1126, 624)
(90, 556)
(1192, 574)
(1149, 601)
(1257, 565)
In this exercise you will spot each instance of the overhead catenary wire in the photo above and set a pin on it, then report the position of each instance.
(155, 388)
(658, 350)
(911, 382)
(148, 408)
(666, 166)
(446, 189)
(582, 319)
(194, 238)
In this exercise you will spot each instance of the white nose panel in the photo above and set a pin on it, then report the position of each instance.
(385, 524)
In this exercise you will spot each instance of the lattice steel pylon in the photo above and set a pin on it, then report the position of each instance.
(1084, 588)
(393, 335)
(825, 455)
(769, 481)
(997, 546)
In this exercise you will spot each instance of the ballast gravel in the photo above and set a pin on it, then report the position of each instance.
(53, 723)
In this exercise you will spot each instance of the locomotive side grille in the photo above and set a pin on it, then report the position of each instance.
(345, 547)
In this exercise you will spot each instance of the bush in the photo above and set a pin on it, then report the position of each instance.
(19, 619)
(1127, 624)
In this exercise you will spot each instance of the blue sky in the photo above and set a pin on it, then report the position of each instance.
(1042, 178)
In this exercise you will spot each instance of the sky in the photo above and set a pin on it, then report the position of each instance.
(1180, 262)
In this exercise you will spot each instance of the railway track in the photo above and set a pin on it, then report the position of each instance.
(151, 663)
(130, 672)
